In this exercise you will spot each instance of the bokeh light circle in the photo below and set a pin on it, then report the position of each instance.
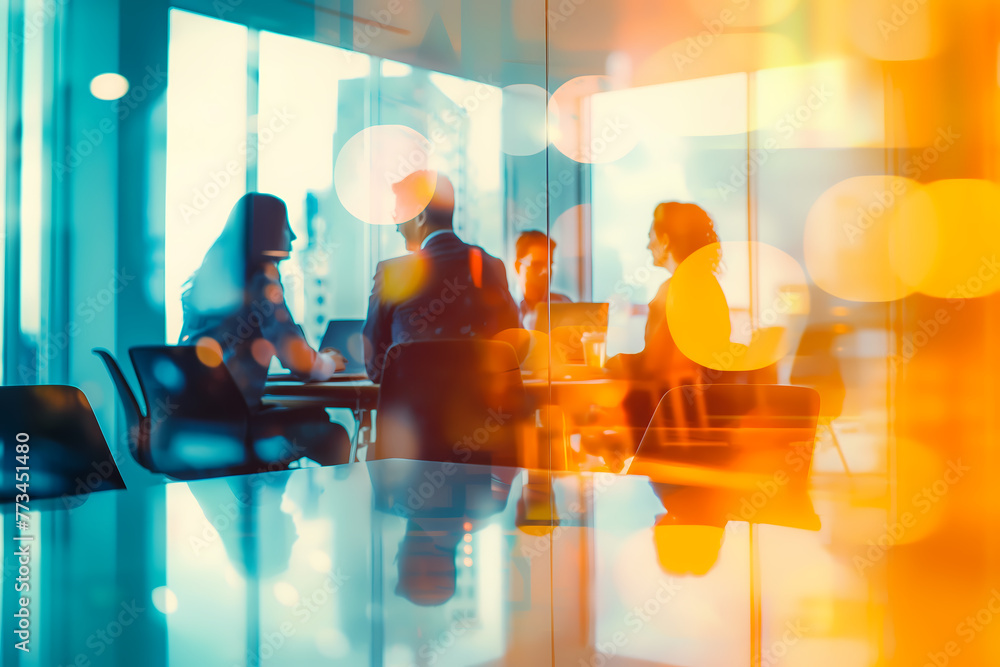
(108, 86)
(925, 482)
(849, 236)
(371, 162)
(164, 599)
(524, 115)
(589, 127)
(948, 240)
(209, 351)
(708, 311)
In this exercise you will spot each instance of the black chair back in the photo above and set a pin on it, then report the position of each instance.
(737, 442)
(456, 401)
(52, 444)
(136, 422)
(816, 365)
(198, 416)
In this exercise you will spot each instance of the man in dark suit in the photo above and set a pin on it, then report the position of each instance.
(444, 289)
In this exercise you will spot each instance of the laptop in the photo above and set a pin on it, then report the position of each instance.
(566, 323)
(345, 335)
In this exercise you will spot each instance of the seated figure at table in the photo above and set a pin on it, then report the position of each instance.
(677, 231)
(426, 570)
(441, 502)
(444, 289)
(533, 264)
(235, 301)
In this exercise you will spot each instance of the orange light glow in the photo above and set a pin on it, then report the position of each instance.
(371, 162)
(949, 240)
(849, 237)
(209, 351)
(714, 322)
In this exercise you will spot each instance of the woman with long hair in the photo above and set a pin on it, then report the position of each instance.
(677, 231)
(235, 300)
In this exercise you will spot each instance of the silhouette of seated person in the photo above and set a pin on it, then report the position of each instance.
(677, 231)
(440, 502)
(689, 536)
(235, 299)
(445, 288)
(729, 454)
(426, 564)
(227, 503)
(534, 256)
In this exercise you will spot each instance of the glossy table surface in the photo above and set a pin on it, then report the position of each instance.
(579, 386)
(408, 563)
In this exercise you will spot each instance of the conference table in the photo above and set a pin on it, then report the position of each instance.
(581, 385)
(398, 563)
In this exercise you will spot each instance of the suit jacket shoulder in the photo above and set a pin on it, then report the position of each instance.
(399, 279)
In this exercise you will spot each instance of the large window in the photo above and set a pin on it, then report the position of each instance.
(311, 100)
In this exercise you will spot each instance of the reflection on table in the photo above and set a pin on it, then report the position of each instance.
(411, 563)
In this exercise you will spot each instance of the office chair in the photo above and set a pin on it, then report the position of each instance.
(816, 365)
(207, 428)
(531, 347)
(135, 421)
(733, 436)
(721, 453)
(52, 434)
(458, 401)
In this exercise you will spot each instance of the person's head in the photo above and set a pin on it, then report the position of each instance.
(431, 196)
(426, 569)
(678, 230)
(256, 233)
(264, 221)
(533, 263)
